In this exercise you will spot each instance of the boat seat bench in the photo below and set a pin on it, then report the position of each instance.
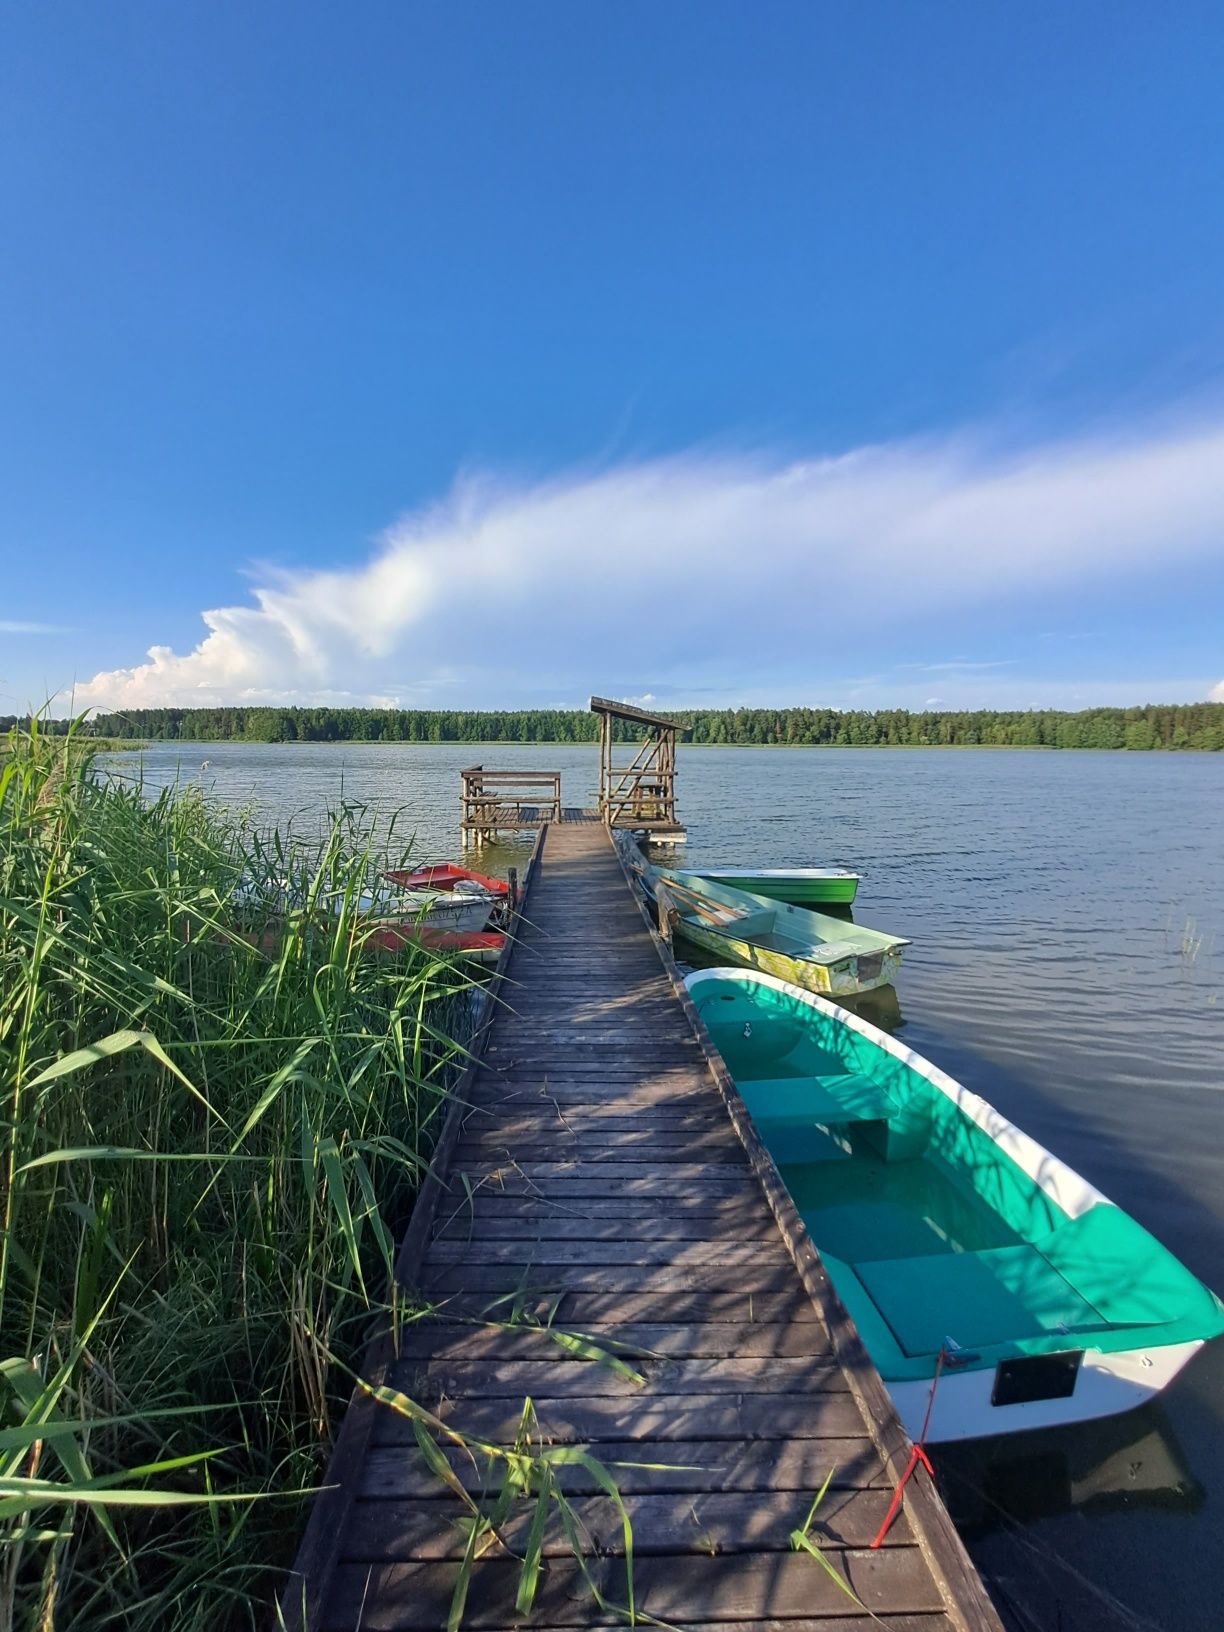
(750, 925)
(975, 1299)
(1099, 1280)
(842, 1097)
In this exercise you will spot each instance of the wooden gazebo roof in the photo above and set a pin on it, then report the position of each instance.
(639, 716)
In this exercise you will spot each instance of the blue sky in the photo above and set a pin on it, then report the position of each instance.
(723, 352)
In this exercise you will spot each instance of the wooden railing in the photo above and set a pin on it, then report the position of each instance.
(640, 796)
(644, 790)
(493, 801)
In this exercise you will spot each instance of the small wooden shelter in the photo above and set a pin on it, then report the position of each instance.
(640, 795)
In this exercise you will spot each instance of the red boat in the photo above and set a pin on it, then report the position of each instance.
(446, 875)
(483, 946)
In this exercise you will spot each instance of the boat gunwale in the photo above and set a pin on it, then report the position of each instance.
(772, 872)
(1040, 1165)
(454, 873)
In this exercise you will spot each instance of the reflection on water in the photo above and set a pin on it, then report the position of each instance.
(1065, 1523)
(1127, 1462)
(1067, 918)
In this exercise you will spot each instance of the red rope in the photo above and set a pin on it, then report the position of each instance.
(917, 1454)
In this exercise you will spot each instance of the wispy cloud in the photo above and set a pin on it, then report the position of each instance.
(960, 666)
(11, 626)
(709, 571)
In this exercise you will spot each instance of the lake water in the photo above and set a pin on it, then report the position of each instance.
(1067, 915)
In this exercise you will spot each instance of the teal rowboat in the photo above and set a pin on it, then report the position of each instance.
(800, 886)
(971, 1260)
(811, 949)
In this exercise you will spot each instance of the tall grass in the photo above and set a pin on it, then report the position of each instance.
(209, 1141)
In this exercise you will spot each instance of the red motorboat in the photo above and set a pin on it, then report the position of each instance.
(447, 875)
(482, 946)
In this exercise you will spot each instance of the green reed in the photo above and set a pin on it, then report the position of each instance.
(214, 1113)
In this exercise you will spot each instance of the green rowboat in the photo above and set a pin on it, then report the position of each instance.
(820, 953)
(988, 1280)
(800, 886)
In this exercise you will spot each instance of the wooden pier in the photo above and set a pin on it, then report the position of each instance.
(600, 1174)
(637, 797)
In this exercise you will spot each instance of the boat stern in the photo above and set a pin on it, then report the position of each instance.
(972, 1404)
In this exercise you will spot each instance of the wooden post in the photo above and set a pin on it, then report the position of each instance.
(512, 881)
(605, 763)
(668, 913)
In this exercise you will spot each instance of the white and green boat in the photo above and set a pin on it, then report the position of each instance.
(963, 1250)
(813, 950)
(800, 886)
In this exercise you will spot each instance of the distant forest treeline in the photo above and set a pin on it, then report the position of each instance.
(1189, 725)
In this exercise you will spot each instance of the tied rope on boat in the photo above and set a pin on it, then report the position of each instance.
(918, 1451)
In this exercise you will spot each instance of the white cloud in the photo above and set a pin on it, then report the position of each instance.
(960, 666)
(705, 572)
(10, 626)
(1216, 694)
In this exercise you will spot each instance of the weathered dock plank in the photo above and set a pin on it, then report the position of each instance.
(654, 1420)
(752, 1465)
(562, 1377)
(595, 1203)
(436, 1339)
(695, 1584)
(738, 1521)
(578, 1311)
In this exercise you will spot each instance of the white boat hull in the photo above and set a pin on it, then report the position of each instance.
(457, 912)
(1106, 1385)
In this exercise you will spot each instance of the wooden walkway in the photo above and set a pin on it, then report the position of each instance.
(599, 1178)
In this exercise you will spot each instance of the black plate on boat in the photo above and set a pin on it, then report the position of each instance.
(1036, 1377)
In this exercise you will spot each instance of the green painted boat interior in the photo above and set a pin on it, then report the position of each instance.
(933, 1234)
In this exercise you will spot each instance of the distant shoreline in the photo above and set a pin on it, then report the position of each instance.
(1151, 727)
(688, 747)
